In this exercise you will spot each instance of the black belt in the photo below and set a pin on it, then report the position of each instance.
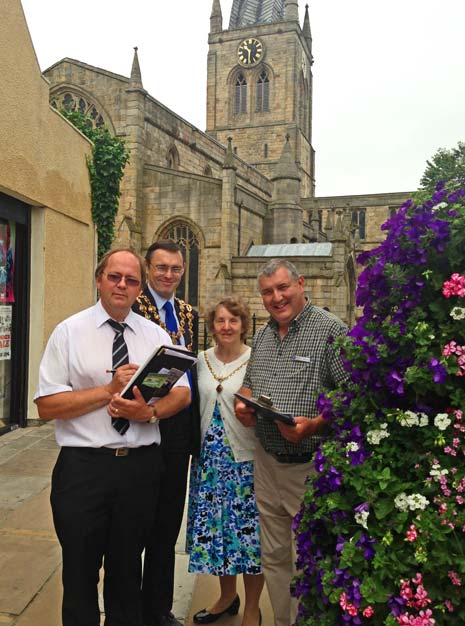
(112, 451)
(292, 458)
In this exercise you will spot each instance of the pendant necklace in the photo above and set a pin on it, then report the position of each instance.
(221, 379)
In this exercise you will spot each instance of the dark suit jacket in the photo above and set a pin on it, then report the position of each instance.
(182, 431)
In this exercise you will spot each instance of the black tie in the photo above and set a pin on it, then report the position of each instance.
(120, 356)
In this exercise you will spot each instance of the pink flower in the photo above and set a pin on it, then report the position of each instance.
(454, 578)
(449, 606)
(368, 612)
(412, 533)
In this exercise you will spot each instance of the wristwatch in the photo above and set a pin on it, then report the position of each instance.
(154, 417)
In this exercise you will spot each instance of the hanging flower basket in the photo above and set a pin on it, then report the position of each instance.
(381, 532)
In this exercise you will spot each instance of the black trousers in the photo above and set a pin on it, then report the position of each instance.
(103, 510)
(159, 559)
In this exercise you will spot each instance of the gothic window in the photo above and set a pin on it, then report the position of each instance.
(71, 102)
(358, 220)
(172, 158)
(183, 235)
(263, 92)
(207, 171)
(265, 151)
(240, 95)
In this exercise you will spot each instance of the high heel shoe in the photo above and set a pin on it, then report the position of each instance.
(205, 617)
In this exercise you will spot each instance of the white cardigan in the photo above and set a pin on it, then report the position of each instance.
(241, 438)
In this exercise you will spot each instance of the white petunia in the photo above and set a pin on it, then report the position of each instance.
(375, 436)
(442, 421)
(361, 518)
(403, 502)
(458, 313)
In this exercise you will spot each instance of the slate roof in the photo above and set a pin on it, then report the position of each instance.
(246, 12)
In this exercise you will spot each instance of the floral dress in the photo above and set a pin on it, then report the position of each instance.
(223, 536)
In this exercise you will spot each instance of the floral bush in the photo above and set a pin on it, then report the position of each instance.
(381, 532)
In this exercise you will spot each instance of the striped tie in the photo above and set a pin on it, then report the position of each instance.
(120, 357)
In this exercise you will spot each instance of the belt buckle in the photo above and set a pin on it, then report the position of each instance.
(121, 451)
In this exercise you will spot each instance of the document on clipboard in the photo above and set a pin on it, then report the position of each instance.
(264, 407)
(159, 372)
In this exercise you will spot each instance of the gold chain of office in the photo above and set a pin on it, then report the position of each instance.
(221, 379)
(185, 313)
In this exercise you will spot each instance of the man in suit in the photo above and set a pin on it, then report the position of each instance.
(180, 435)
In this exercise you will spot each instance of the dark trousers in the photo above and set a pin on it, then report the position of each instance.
(158, 578)
(103, 511)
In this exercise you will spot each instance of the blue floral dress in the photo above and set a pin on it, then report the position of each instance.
(223, 536)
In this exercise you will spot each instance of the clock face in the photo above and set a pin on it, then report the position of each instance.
(250, 51)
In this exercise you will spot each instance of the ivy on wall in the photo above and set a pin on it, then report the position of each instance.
(106, 169)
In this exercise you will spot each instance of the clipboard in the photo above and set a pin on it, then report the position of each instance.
(264, 407)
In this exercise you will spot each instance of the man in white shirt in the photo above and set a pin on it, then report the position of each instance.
(105, 483)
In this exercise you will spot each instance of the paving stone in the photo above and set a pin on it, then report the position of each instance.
(16, 489)
(25, 563)
(33, 516)
(31, 462)
(45, 610)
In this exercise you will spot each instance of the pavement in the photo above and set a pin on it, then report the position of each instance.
(30, 555)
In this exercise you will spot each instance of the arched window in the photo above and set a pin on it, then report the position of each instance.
(240, 95)
(263, 92)
(72, 102)
(207, 170)
(172, 158)
(182, 234)
(265, 151)
(304, 105)
(358, 220)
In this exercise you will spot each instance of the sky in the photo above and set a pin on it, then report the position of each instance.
(388, 76)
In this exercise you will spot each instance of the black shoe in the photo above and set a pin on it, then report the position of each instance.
(205, 617)
(167, 620)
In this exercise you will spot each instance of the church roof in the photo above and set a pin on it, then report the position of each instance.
(246, 12)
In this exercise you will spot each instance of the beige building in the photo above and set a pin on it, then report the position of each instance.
(232, 196)
(47, 238)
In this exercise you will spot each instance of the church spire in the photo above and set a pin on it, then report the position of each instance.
(286, 168)
(136, 76)
(250, 12)
(291, 10)
(306, 28)
(216, 18)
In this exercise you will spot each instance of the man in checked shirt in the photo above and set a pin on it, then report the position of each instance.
(293, 358)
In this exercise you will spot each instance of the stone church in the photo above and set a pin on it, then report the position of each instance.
(244, 189)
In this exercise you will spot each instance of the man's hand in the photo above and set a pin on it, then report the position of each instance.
(303, 428)
(136, 410)
(245, 414)
(121, 377)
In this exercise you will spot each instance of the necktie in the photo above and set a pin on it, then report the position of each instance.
(120, 356)
(170, 320)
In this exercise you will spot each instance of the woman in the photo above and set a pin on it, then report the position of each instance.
(223, 530)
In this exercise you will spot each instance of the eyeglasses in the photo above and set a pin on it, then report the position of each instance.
(115, 278)
(177, 270)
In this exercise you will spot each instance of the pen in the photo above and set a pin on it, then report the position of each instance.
(110, 371)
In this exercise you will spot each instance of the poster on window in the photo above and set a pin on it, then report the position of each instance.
(5, 332)
(7, 261)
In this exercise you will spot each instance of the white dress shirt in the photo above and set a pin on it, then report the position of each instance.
(77, 356)
(160, 302)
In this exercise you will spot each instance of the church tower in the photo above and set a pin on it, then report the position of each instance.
(259, 84)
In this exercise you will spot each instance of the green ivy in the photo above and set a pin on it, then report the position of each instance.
(106, 169)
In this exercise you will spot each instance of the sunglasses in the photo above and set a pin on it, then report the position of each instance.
(115, 278)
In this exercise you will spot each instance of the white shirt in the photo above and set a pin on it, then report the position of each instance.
(241, 438)
(77, 356)
(160, 302)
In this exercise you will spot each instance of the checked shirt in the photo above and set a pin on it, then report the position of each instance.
(293, 371)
